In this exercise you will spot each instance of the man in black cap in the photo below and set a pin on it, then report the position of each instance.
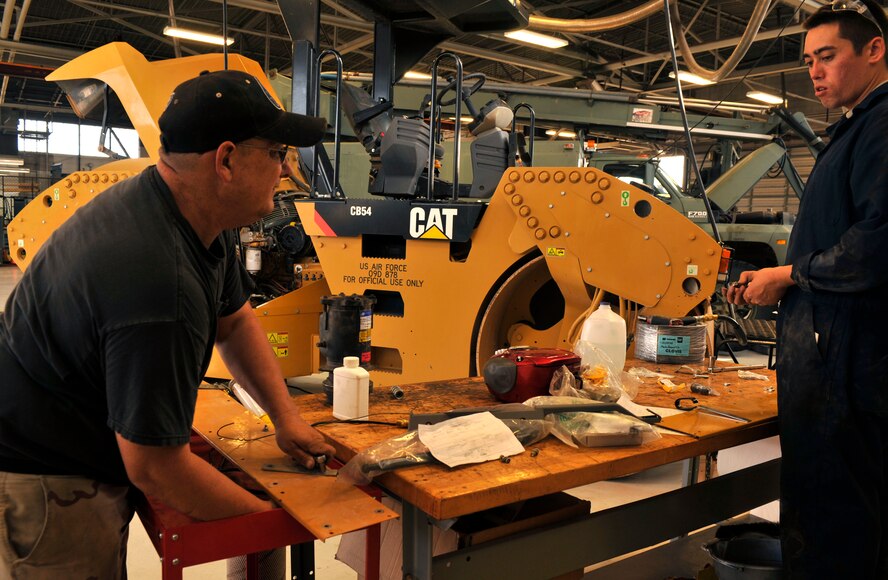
(832, 360)
(106, 337)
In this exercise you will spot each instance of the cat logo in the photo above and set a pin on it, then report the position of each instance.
(434, 223)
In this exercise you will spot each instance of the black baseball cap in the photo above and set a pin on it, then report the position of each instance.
(230, 105)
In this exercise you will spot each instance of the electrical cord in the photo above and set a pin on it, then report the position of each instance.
(220, 436)
(363, 420)
(400, 423)
(687, 130)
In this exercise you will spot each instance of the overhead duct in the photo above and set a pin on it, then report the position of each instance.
(649, 9)
(755, 22)
(595, 24)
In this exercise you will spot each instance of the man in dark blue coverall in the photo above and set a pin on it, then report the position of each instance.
(832, 364)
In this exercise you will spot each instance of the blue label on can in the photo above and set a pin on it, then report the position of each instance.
(674, 345)
(366, 319)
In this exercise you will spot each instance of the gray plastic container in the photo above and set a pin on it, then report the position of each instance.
(746, 558)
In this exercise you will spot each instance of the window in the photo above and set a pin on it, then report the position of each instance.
(39, 136)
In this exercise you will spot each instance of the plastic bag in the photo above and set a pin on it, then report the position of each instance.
(596, 384)
(604, 429)
(600, 375)
(406, 449)
(643, 373)
(594, 429)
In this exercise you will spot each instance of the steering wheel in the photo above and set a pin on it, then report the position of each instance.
(467, 92)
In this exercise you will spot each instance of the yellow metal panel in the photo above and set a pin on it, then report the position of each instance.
(614, 235)
(46, 212)
(144, 88)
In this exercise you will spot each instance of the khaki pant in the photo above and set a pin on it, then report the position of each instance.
(54, 527)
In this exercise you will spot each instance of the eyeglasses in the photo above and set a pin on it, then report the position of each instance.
(858, 7)
(277, 153)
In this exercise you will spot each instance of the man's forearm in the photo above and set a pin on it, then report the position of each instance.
(249, 358)
(187, 483)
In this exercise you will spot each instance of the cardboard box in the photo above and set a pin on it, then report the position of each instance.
(468, 531)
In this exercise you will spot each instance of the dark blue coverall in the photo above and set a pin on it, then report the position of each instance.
(832, 364)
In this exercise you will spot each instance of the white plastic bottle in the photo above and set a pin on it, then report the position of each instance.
(606, 330)
(351, 390)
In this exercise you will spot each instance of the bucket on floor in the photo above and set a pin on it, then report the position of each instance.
(746, 557)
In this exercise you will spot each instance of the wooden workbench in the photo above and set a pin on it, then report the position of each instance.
(446, 493)
(434, 492)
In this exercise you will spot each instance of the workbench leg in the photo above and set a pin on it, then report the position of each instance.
(252, 567)
(371, 552)
(417, 533)
(170, 571)
(302, 561)
(692, 466)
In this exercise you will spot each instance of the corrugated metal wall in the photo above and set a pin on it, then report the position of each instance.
(775, 194)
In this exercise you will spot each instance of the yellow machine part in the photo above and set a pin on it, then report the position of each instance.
(143, 87)
(581, 228)
(46, 212)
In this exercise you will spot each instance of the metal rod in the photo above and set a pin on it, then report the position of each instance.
(532, 125)
(337, 137)
(430, 194)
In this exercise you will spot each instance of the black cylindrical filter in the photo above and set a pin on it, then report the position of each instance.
(344, 330)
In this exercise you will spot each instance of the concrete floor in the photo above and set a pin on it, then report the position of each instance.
(143, 562)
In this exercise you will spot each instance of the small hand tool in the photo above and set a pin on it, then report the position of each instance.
(701, 389)
(320, 467)
(715, 369)
(679, 404)
(695, 374)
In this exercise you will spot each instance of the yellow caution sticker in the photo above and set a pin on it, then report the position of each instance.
(281, 351)
(555, 252)
(278, 337)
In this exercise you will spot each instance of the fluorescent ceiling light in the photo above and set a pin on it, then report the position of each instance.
(416, 75)
(14, 170)
(691, 78)
(561, 133)
(11, 161)
(765, 97)
(531, 37)
(196, 36)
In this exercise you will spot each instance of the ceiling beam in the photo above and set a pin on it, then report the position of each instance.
(40, 50)
(180, 19)
(517, 61)
(123, 22)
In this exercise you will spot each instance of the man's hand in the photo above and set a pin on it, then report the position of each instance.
(244, 348)
(300, 440)
(760, 287)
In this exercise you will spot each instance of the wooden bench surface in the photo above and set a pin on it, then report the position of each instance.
(445, 493)
(323, 505)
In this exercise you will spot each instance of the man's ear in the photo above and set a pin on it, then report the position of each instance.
(876, 49)
(225, 160)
